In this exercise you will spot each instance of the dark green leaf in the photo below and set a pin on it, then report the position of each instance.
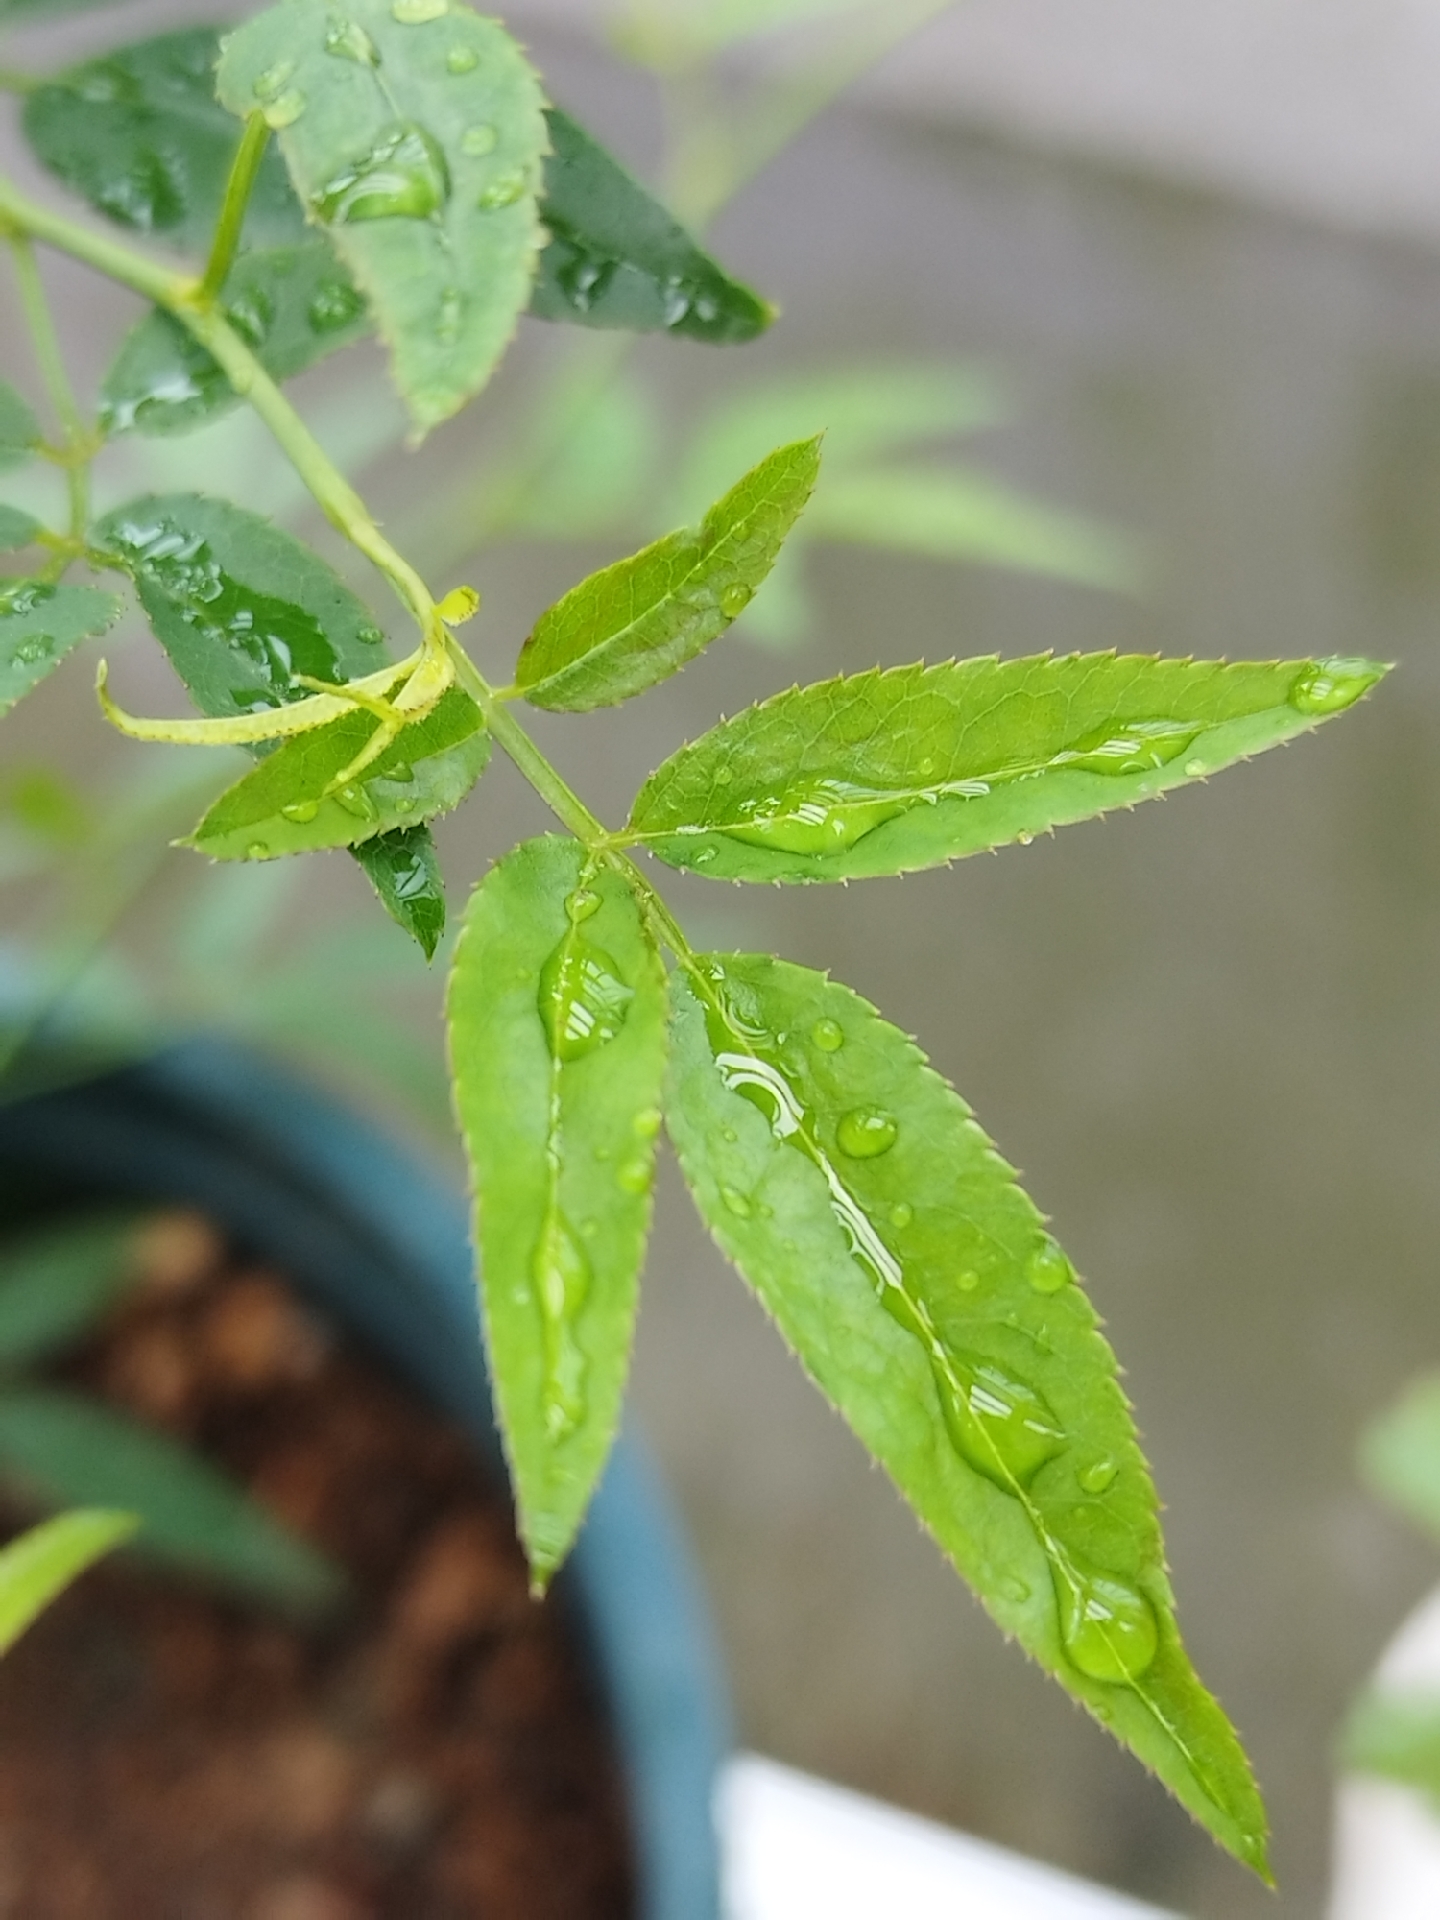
(62, 1449)
(289, 804)
(1397, 1738)
(617, 258)
(894, 770)
(239, 606)
(19, 429)
(1400, 1454)
(293, 305)
(17, 529)
(36, 1568)
(39, 625)
(56, 1283)
(557, 1047)
(404, 870)
(639, 621)
(141, 136)
(854, 1190)
(415, 133)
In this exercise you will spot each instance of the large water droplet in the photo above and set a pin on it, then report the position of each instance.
(257, 850)
(357, 801)
(634, 1176)
(348, 40)
(736, 1202)
(270, 84)
(285, 110)
(866, 1132)
(1108, 1628)
(1329, 686)
(1131, 746)
(561, 1272)
(647, 1123)
(479, 140)
(34, 648)
(25, 597)
(302, 812)
(828, 1035)
(735, 599)
(585, 278)
(1047, 1268)
(581, 905)
(252, 314)
(1099, 1475)
(901, 1214)
(826, 816)
(583, 1000)
(1000, 1426)
(503, 192)
(334, 306)
(403, 176)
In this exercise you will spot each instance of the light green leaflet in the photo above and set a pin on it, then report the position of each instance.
(19, 429)
(404, 869)
(1400, 1454)
(557, 1013)
(290, 803)
(637, 622)
(17, 529)
(39, 624)
(1396, 1736)
(890, 771)
(416, 134)
(60, 1447)
(37, 1567)
(55, 1283)
(854, 1190)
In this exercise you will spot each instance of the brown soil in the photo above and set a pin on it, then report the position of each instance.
(435, 1755)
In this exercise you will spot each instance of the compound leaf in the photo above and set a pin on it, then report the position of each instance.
(40, 624)
(617, 258)
(55, 1284)
(638, 621)
(557, 1013)
(415, 133)
(892, 770)
(404, 869)
(141, 136)
(36, 1568)
(856, 1193)
(290, 803)
(60, 1447)
(17, 529)
(19, 429)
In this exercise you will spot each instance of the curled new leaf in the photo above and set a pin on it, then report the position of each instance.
(557, 1017)
(854, 1190)
(41, 623)
(889, 771)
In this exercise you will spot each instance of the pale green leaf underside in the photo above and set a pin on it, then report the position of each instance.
(55, 1283)
(904, 1265)
(17, 529)
(37, 1567)
(420, 146)
(40, 624)
(557, 1017)
(890, 771)
(637, 622)
(1400, 1454)
(19, 429)
(289, 804)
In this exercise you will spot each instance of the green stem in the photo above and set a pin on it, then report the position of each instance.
(77, 441)
(243, 169)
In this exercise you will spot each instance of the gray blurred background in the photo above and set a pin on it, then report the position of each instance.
(1200, 243)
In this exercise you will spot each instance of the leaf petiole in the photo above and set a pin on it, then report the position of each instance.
(244, 168)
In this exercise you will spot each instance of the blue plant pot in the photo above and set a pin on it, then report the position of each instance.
(365, 1231)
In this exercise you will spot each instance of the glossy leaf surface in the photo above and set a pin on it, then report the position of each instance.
(40, 624)
(854, 1190)
(37, 1567)
(557, 1013)
(889, 771)
(239, 606)
(290, 804)
(618, 258)
(415, 135)
(1400, 1454)
(404, 869)
(19, 429)
(17, 529)
(57, 1446)
(293, 305)
(54, 1284)
(639, 621)
(141, 136)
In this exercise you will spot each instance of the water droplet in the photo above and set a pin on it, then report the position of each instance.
(737, 1202)
(252, 314)
(1026, 839)
(356, 800)
(647, 1123)
(404, 804)
(735, 599)
(257, 850)
(704, 857)
(25, 597)
(503, 192)
(34, 648)
(561, 1272)
(1329, 686)
(867, 1132)
(300, 811)
(416, 13)
(1194, 769)
(273, 81)
(461, 59)
(334, 306)
(1131, 746)
(348, 40)
(1000, 1426)
(403, 176)
(824, 816)
(479, 140)
(828, 1035)
(585, 278)
(603, 1153)
(634, 1176)
(449, 317)
(1013, 1587)
(1047, 1268)
(1099, 1475)
(581, 905)
(723, 776)
(583, 1000)
(369, 636)
(286, 110)
(901, 1214)
(1108, 1628)
(968, 1280)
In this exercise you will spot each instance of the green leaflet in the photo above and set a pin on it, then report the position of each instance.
(62, 1448)
(888, 771)
(39, 624)
(55, 1283)
(415, 134)
(239, 606)
(1400, 1454)
(854, 1190)
(404, 870)
(1396, 1737)
(293, 305)
(37, 1567)
(289, 803)
(19, 429)
(557, 1015)
(17, 529)
(140, 135)
(617, 258)
(638, 621)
